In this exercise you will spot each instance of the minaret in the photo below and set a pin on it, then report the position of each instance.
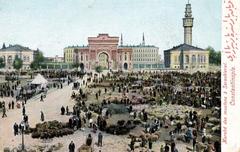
(188, 24)
(121, 42)
(143, 40)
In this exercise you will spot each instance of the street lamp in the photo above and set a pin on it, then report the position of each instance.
(22, 128)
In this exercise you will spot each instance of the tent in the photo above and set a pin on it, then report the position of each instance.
(40, 80)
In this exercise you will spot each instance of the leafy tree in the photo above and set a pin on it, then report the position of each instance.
(98, 69)
(214, 56)
(38, 59)
(17, 63)
(2, 63)
(75, 65)
(81, 67)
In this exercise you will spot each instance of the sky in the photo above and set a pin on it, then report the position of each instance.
(51, 25)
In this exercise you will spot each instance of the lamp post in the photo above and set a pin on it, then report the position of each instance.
(22, 128)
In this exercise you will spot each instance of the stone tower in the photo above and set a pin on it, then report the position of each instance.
(188, 24)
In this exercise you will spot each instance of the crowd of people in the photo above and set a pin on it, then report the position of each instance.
(198, 90)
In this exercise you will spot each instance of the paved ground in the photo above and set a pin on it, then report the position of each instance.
(51, 108)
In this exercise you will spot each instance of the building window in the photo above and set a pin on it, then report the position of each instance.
(193, 59)
(9, 59)
(125, 56)
(175, 59)
(187, 59)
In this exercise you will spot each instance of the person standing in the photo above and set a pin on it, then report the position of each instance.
(132, 144)
(15, 128)
(173, 147)
(42, 116)
(41, 98)
(23, 111)
(150, 144)
(100, 137)
(161, 149)
(25, 100)
(71, 147)
(12, 104)
(194, 143)
(62, 110)
(89, 140)
(67, 110)
(166, 148)
(4, 112)
(9, 105)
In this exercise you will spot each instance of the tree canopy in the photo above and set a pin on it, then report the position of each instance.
(98, 69)
(81, 67)
(17, 63)
(38, 59)
(214, 56)
(2, 63)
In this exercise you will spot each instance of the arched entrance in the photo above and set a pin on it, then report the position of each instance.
(125, 66)
(103, 59)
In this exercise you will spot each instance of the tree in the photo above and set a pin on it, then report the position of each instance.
(81, 67)
(98, 69)
(17, 63)
(75, 65)
(2, 63)
(38, 59)
(214, 56)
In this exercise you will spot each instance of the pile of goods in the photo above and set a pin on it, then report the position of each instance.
(139, 135)
(85, 148)
(121, 128)
(51, 129)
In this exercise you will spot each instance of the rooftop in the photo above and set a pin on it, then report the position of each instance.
(16, 47)
(77, 46)
(138, 46)
(185, 47)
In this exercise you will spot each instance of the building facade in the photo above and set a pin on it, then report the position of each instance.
(103, 51)
(68, 54)
(57, 58)
(186, 56)
(9, 53)
(144, 57)
(192, 57)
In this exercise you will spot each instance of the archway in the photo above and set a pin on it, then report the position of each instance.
(125, 66)
(103, 59)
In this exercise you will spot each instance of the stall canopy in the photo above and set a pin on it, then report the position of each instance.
(39, 80)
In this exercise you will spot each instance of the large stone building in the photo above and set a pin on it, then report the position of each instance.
(57, 58)
(193, 57)
(186, 56)
(103, 51)
(68, 53)
(145, 57)
(9, 53)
